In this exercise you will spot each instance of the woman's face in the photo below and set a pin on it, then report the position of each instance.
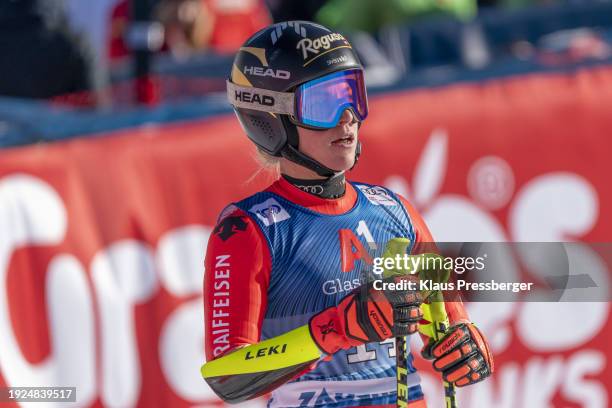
(334, 148)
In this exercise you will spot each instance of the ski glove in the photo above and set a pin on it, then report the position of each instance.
(368, 315)
(462, 355)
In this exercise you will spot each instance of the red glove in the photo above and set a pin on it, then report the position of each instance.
(367, 315)
(462, 355)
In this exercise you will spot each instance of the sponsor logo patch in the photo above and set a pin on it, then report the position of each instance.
(259, 71)
(317, 189)
(266, 351)
(270, 212)
(310, 46)
(338, 60)
(230, 226)
(449, 343)
(264, 70)
(327, 328)
(277, 33)
(377, 195)
(255, 98)
(374, 316)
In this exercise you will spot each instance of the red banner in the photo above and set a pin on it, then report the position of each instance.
(103, 238)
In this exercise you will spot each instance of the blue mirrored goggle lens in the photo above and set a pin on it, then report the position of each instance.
(320, 103)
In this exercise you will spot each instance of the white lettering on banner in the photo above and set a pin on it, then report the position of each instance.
(540, 380)
(576, 208)
(491, 182)
(588, 393)
(123, 276)
(530, 219)
(32, 213)
(71, 324)
(179, 258)
(181, 353)
(455, 218)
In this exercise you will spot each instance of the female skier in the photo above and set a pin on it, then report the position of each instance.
(288, 308)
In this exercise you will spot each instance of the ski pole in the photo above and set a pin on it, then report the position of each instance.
(434, 312)
(393, 247)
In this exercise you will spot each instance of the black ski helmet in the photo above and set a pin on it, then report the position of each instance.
(279, 58)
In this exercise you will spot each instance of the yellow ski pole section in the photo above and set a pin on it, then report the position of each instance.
(399, 246)
(292, 348)
(433, 311)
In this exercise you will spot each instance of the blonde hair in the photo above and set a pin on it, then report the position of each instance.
(267, 161)
(268, 164)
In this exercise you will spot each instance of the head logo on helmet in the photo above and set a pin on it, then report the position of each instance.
(260, 54)
(254, 97)
(275, 61)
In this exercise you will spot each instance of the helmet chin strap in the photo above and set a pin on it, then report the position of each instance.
(294, 155)
(291, 153)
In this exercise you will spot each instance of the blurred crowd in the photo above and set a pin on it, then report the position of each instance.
(57, 47)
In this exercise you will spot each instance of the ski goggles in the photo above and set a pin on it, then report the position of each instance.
(317, 104)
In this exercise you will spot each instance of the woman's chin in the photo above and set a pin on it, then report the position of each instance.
(343, 163)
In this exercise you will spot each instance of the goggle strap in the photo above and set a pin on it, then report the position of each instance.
(260, 99)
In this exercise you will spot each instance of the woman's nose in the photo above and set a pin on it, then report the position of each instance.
(347, 117)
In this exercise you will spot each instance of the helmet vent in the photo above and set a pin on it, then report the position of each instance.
(262, 125)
